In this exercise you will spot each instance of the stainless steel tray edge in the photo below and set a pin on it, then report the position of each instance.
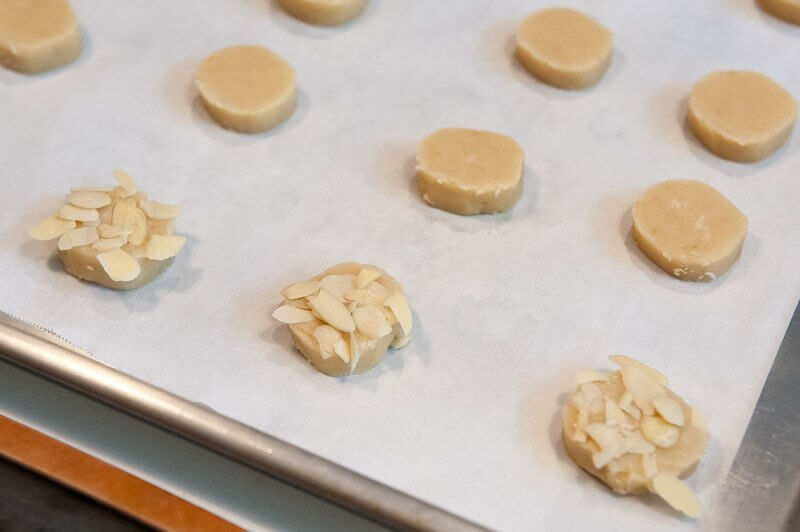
(58, 361)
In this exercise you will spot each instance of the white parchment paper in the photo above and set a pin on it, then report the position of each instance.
(506, 307)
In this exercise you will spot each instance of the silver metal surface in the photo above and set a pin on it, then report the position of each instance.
(45, 353)
(762, 491)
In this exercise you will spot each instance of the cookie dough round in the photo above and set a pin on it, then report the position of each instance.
(324, 12)
(628, 429)
(345, 318)
(467, 171)
(113, 236)
(689, 229)
(741, 115)
(37, 35)
(788, 10)
(564, 47)
(247, 88)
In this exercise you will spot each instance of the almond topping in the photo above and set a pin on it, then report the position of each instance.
(378, 290)
(698, 420)
(89, 200)
(290, 314)
(400, 342)
(649, 465)
(109, 231)
(50, 228)
(159, 211)
(338, 285)
(162, 247)
(299, 303)
(355, 350)
(626, 361)
(659, 432)
(104, 244)
(362, 296)
(326, 337)
(676, 493)
(371, 322)
(399, 306)
(643, 388)
(132, 219)
(300, 290)
(589, 375)
(636, 444)
(91, 189)
(82, 236)
(126, 182)
(71, 212)
(610, 443)
(332, 311)
(342, 350)
(669, 409)
(614, 415)
(366, 276)
(119, 265)
(627, 406)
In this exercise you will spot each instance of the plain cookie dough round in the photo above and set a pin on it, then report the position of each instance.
(37, 35)
(689, 229)
(467, 171)
(628, 455)
(741, 115)
(324, 12)
(247, 88)
(564, 47)
(138, 232)
(355, 287)
(788, 10)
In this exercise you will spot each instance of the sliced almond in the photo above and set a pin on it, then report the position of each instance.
(643, 387)
(371, 322)
(649, 465)
(378, 290)
(676, 493)
(71, 212)
(659, 432)
(80, 236)
(355, 350)
(366, 276)
(669, 409)
(92, 223)
(162, 247)
(130, 218)
(400, 342)
(109, 231)
(126, 182)
(338, 285)
(332, 311)
(610, 443)
(326, 337)
(159, 211)
(627, 406)
(589, 375)
(590, 392)
(120, 214)
(119, 265)
(89, 200)
(299, 290)
(626, 361)
(362, 296)
(50, 228)
(636, 444)
(104, 244)
(399, 306)
(614, 414)
(698, 420)
(90, 189)
(299, 303)
(289, 314)
(342, 350)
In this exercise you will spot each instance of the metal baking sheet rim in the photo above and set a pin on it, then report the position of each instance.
(762, 488)
(35, 350)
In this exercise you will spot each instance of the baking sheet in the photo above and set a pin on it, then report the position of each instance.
(507, 307)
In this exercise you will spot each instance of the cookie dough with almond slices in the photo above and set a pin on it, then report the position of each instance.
(113, 236)
(345, 318)
(631, 431)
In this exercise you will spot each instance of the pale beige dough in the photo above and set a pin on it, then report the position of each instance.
(373, 315)
(467, 171)
(37, 35)
(564, 47)
(613, 430)
(788, 10)
(689, 229)
(136, 227)
(741, 115)
(324, 12)
(247, 88)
